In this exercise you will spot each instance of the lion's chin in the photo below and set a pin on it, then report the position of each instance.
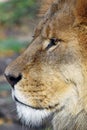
(33, 118)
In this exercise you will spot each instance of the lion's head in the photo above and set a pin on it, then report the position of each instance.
(49, 80)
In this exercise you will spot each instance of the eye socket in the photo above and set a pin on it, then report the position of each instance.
(53, 42)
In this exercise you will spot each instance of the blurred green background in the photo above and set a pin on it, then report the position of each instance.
(17, 21)
(14, 11)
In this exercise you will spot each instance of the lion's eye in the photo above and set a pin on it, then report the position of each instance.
(53, 43)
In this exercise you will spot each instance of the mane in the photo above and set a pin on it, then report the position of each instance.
(53, 5)
(45, 5)
(69, 122)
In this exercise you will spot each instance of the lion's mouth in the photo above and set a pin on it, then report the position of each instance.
(31, 116)
(37, 108)
(34, 117)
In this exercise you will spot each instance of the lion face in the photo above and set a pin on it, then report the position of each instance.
(48, 78)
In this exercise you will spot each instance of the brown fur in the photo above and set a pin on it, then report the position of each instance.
(45, 5)
(55, 79)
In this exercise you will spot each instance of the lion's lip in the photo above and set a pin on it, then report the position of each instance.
(36, 108)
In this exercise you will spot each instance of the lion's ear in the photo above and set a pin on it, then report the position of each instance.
(45, 5)
(81, 11)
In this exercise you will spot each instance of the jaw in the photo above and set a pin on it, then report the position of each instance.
(37, 118)
(33, 118)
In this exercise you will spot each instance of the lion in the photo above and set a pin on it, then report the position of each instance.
(49, 80)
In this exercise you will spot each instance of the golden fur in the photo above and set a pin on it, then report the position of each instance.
(55, 78)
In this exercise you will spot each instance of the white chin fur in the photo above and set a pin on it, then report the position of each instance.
(31, 117)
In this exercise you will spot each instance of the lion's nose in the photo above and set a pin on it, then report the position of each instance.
(12, 79)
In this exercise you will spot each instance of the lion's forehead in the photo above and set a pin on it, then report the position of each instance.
(56, 26)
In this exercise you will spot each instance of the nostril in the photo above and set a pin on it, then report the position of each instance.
(12, 79)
